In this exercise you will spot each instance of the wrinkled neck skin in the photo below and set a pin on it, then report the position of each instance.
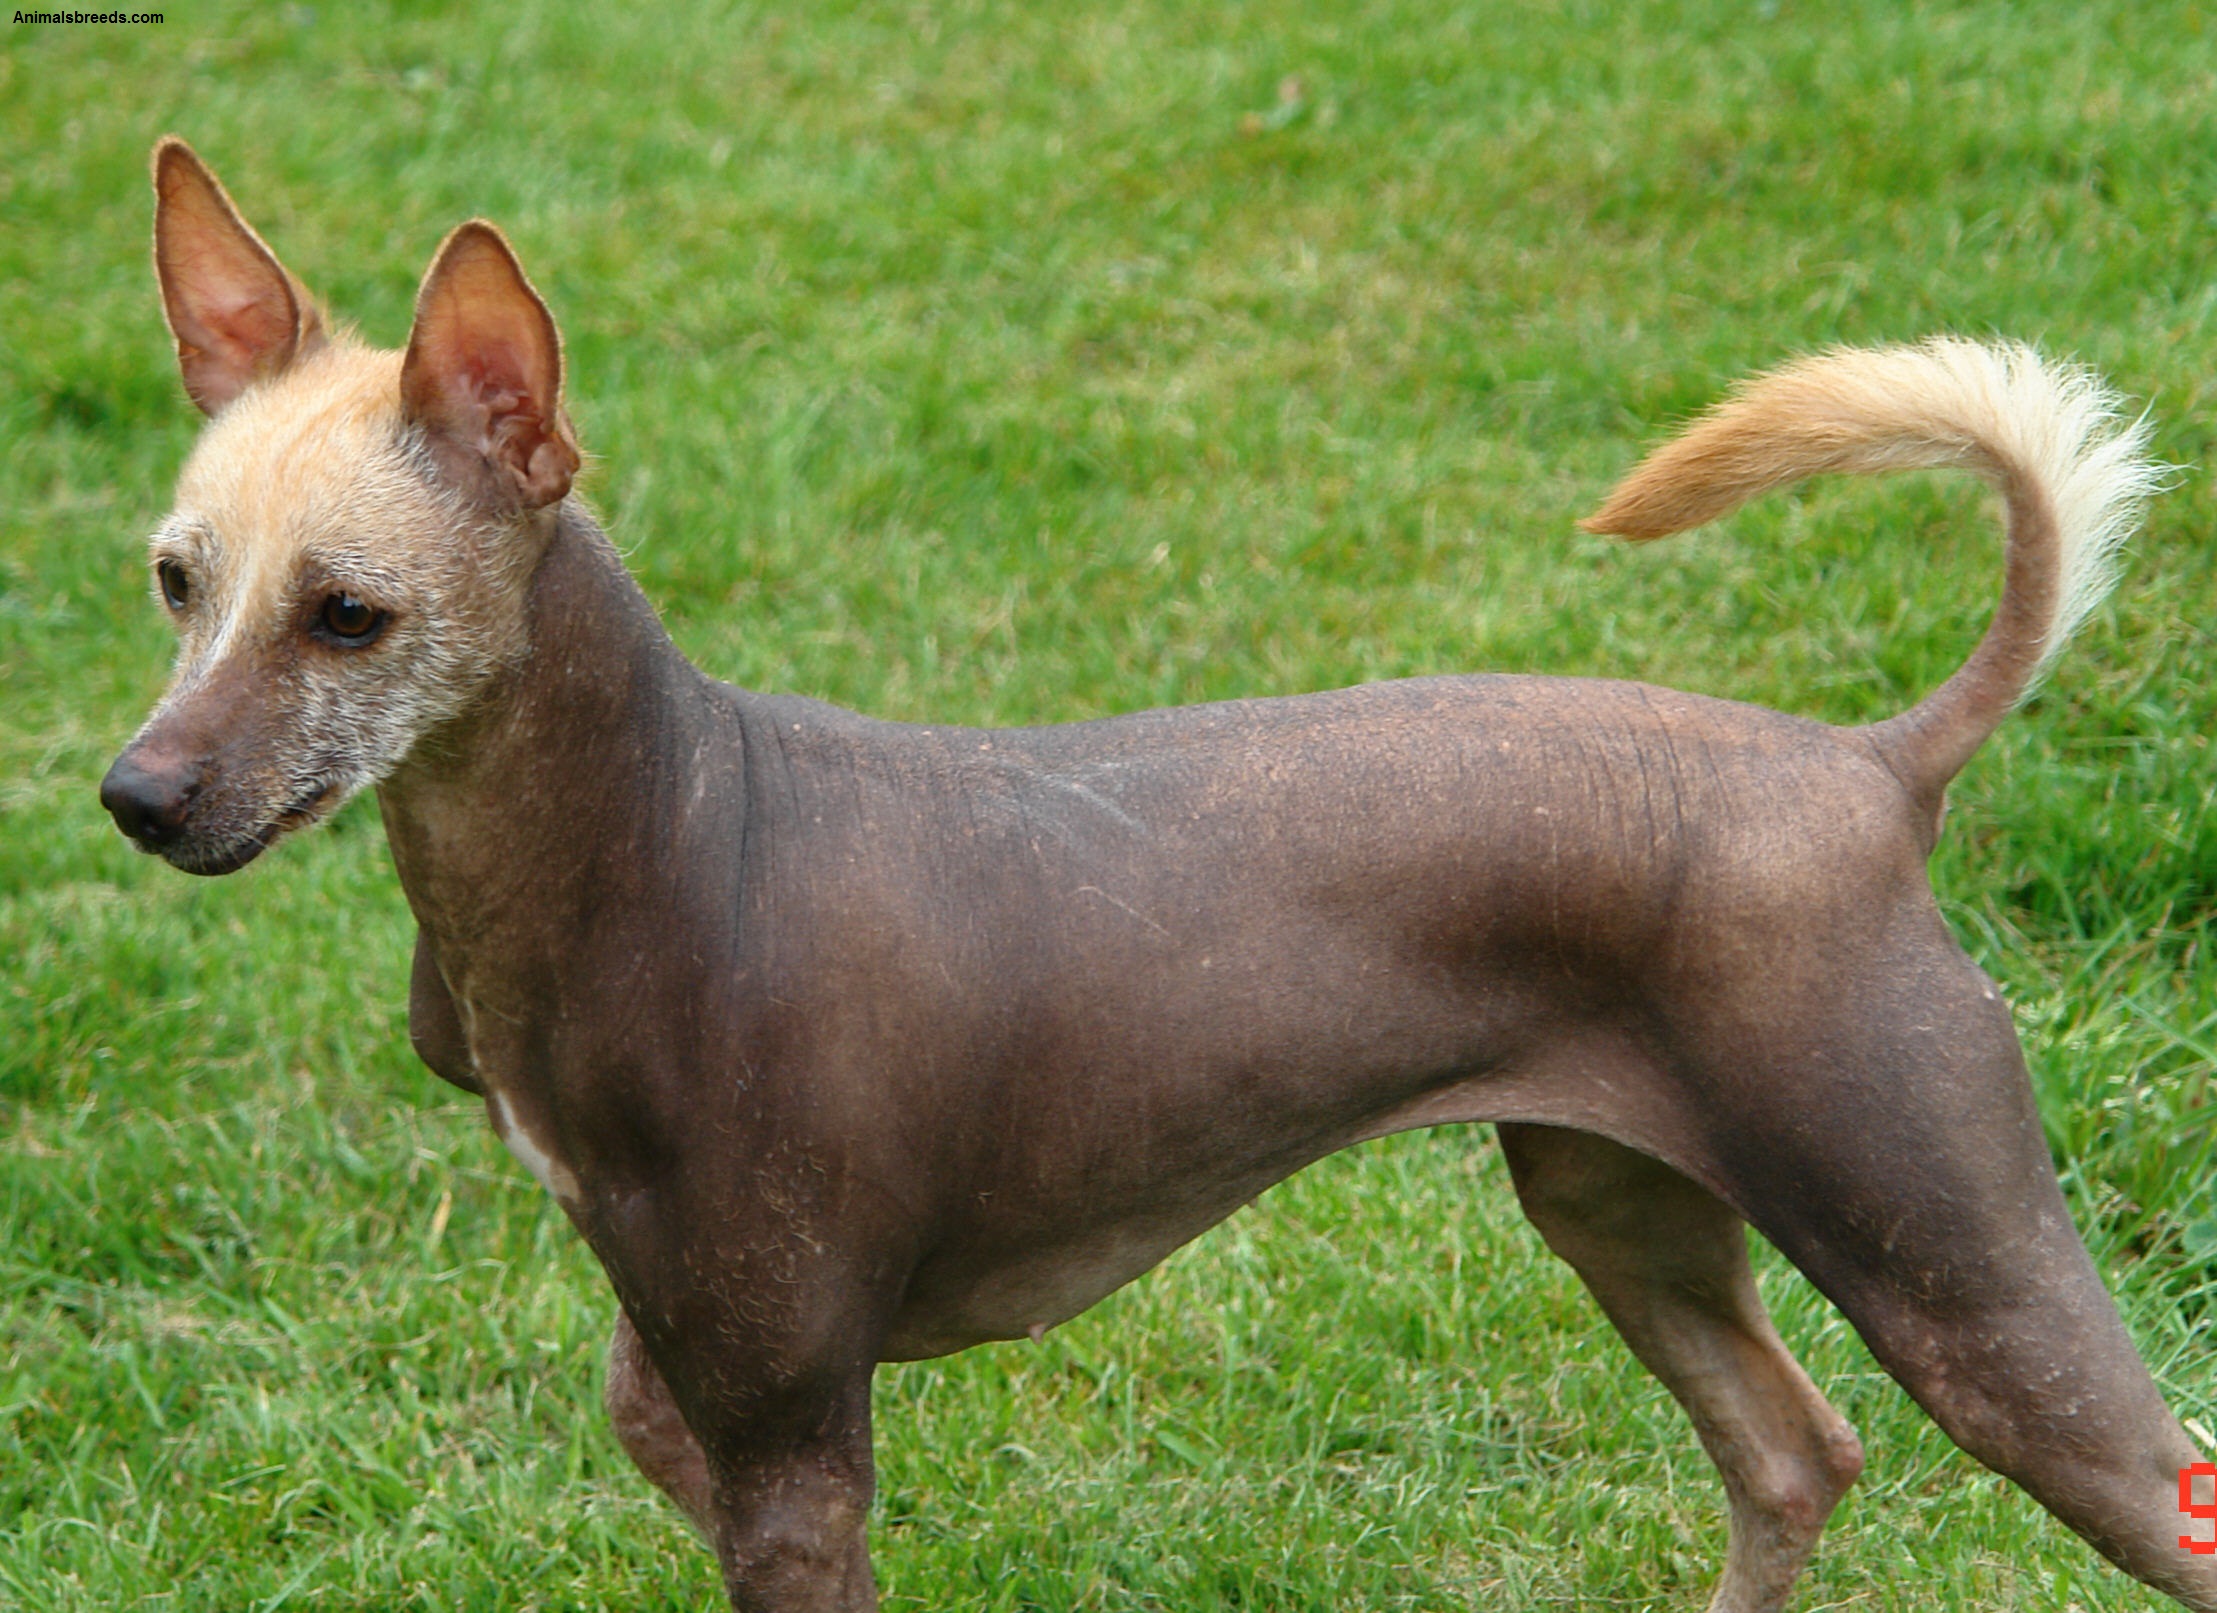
(528, 829)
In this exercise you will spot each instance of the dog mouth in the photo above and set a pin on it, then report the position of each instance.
(301, 811)
(304, 807)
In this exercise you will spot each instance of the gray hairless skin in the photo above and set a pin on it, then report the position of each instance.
(844, 1041)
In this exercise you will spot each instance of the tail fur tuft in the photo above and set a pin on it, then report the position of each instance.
(2051, 436)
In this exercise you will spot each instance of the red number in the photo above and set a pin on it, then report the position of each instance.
(2199, 1509)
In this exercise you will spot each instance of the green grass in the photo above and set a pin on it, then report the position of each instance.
(1007, 363)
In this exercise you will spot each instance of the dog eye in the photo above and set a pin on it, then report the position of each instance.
(175, 585)
(351, 620)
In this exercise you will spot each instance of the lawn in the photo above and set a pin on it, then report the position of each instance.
(997, 363)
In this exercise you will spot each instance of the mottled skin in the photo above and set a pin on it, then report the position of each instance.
(844, 1041)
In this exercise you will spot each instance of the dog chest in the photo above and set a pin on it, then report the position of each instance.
(531, 1150)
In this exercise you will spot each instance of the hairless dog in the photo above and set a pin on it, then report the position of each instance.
(844, 1041)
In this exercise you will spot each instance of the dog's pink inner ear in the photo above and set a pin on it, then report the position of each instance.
(484, 372)
(237, 315)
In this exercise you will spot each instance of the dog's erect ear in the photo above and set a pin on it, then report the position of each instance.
(484, 373)
(236, 314)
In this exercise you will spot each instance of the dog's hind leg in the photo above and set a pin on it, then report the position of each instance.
(651, 1430)
(1668, 1263)
(1885, 1138)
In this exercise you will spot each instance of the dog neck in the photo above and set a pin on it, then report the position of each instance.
(562, 796)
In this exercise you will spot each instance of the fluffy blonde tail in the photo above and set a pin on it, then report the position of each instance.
(2073, 474)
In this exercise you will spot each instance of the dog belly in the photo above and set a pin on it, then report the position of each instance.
(1027, 1294)
(965, 1296)
(1032, 1263)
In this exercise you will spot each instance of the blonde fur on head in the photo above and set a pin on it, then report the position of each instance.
(309, 483)
(2048, 434)
(412, 492)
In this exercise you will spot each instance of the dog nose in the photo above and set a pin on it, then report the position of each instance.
(148, 807)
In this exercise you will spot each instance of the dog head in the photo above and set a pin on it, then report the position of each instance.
(353, 535)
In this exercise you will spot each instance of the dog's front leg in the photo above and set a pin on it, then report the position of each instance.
(434, 1025)
(739, 1382)
(791, 1515)
(780, 1485)
(653, 1430)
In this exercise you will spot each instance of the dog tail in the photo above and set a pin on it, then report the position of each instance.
(2072, 471)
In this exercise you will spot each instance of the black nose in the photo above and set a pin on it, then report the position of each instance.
(149, 807)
